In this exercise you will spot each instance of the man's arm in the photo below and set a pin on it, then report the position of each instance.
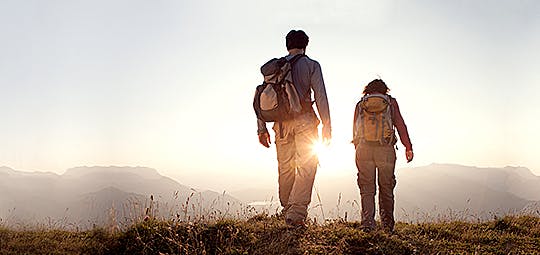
(321, 100)
(262, 133)
(261, 126)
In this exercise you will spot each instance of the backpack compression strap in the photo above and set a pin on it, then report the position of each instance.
(292, 62)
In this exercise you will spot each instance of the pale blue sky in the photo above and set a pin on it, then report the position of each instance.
(169, 84)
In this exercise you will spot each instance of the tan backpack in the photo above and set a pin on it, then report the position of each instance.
(373, 122)
(277, 98)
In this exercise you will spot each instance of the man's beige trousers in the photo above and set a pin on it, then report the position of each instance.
(297, 164)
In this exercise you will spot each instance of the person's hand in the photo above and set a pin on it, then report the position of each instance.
(409, 155)
(264, 139)
(326, 135)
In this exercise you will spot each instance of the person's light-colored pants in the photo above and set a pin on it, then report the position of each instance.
(380, 159)
(297, 164)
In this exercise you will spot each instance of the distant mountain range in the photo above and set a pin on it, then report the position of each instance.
(104, 196)
(468, 192)
(87, 196)
(431, 193)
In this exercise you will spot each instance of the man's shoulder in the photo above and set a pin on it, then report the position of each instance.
(311, 63)
(309, 59)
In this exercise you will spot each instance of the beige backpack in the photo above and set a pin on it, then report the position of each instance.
(373, 122)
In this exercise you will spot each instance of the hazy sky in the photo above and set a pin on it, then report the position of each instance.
(169, 84)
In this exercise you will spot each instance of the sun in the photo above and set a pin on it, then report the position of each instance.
(336, 158)
(319, 148)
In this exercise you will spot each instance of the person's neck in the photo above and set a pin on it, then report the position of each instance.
(296, 51)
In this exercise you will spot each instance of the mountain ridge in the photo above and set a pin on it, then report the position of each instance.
(433, 189)
(87, 195)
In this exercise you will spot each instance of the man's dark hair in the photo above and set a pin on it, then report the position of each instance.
(376, 86)
(296, 39)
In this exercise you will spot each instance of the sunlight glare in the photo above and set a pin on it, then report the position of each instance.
(319, 148)
(334, 159)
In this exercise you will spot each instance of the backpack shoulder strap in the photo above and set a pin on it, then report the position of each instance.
(292, 63)
(295, 58)
(390, 101)
(391, 108)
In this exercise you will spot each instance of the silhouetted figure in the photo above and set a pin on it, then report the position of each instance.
(296, 135)
(375, 117)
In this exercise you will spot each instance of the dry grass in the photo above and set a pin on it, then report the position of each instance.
(246, 232)
(263, 234)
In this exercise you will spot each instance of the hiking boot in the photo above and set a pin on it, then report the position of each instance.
(388, 229)
(296, 225)
(367, 229)
(281, 215)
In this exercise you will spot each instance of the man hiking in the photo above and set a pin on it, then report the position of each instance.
(375, 117)
(296, 134)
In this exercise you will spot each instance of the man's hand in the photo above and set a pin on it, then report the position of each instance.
(264, 139)
(409, 155)
(326, 135)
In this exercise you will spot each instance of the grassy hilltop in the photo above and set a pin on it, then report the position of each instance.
(264, 234)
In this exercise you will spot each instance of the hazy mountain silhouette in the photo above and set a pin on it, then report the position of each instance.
(519, 181)
(85, 196)
(139, 180)
(434, 192)
(102, 195)
(107, 206)
(465, 191)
